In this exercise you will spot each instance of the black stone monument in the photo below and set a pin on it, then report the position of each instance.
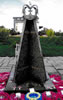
(30, 67)
(30, 70)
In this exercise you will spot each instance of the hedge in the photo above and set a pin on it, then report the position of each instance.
(51, 46)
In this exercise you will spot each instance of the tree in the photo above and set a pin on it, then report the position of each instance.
(4, 34)
(2, 27)
(50, 32)
(42, 32)
(13, 32)
(40, 27)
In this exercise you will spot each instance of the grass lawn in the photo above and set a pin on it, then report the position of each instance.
(6, 50)
(50, 46)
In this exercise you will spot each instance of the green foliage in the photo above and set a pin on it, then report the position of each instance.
(51, 46)
(42, 32)
(4, 34)
(12, 40)
(13, 32)
(49, 32)
(59, 34)
(6, 50)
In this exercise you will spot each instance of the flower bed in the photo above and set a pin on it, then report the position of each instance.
(47, 95)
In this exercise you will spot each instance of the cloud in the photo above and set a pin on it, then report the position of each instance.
(51, 15)
(7, 12)
(2, 12)
(50, 12)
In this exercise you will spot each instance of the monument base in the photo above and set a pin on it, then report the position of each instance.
(23, 88)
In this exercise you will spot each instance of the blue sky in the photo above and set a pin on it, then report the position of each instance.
(11, 2)
(50, 12)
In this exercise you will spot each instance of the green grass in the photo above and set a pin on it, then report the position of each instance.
(6, 50)
(51, 46)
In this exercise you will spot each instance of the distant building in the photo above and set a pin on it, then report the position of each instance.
(18, 23)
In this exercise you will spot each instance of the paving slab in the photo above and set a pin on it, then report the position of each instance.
(60, 71)
(47, 65)
(12, 61)
(59, 67)
(52, 64)
(50, 69)
(1, 59)
(5, 70)
(5, 62)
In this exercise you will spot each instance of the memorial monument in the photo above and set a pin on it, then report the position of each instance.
(30, 70)
(30, 67)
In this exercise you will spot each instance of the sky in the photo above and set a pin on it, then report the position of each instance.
(50, 12)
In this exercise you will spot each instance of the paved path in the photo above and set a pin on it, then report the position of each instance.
(52, 64)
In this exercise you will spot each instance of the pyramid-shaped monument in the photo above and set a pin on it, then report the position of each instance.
(30, 67)
(29, 70)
